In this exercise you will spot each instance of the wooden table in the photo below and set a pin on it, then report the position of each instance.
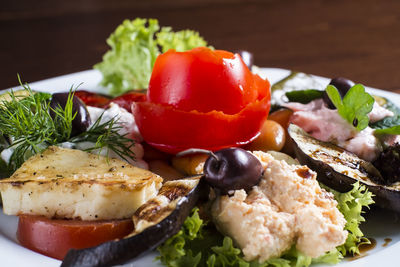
(355, 39)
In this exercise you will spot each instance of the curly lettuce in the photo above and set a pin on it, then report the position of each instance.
(198, 243)
(351, 205)
(135, 46)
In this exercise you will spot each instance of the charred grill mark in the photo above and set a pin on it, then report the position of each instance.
(174, 191)
(154, 213)
(152, 202)
(122, 184)
(350, 163)
(320, 155)
(154, 209)
(18, 184)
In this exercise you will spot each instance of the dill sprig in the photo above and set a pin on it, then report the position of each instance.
(106, 135)
(26, 121)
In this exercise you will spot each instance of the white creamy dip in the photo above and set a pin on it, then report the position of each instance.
(327, 125)
(128, 128)
(286, 208)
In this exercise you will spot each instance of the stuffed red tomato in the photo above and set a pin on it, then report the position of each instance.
(202, 98)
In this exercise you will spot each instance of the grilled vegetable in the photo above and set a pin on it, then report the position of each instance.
(155, 221)
(296, 81)
(340, 169)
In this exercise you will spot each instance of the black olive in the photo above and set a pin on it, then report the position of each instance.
(232, 169)
(342, 85)
(82, 119)
(247, 57)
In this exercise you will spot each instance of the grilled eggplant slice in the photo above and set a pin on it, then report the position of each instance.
(155, 221)
(339, 169)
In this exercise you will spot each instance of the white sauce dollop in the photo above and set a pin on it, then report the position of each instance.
(327, 125)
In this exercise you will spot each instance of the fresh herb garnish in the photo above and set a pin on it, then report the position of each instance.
(304, 96)
(395, 130)
(354, 107)
(27, 122)
(391, 124)
(135, 46)
(105, 135)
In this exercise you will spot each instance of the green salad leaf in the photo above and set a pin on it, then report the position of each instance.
(388, 125)
(135, 46)
(395, 130)
(180, 41)
(199, 244)
(354, 107)
(304, 96)
(351, 205)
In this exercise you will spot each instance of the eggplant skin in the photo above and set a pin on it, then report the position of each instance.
(120, 251)
(340, 169)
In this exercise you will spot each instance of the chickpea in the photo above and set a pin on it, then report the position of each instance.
(281, 116)
(272, 137)
(190, 164)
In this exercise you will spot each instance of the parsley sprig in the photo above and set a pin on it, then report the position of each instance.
(355, 105)
(26, 121)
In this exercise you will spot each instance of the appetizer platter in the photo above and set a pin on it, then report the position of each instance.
(209, 161)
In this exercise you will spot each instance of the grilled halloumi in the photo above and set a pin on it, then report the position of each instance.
(67, 183)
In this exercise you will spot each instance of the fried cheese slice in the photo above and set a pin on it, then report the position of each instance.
(73, 184)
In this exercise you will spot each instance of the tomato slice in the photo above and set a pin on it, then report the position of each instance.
(54, 238)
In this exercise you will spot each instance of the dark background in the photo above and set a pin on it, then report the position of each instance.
(356, 39)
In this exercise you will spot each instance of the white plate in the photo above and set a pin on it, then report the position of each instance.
(380, 224)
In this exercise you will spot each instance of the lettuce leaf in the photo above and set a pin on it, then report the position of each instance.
(180, 41)
(391, 124)
(351, 205)
(199, 244)
(135, 46)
